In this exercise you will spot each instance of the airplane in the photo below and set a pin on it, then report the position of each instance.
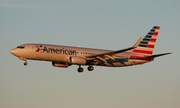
(65, 56)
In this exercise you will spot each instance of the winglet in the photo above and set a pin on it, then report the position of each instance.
(137, 43)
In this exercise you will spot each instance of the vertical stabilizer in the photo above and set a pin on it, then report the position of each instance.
(147, 44)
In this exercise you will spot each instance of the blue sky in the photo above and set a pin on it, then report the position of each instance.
(102, 24)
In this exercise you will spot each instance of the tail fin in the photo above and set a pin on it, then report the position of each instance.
(147, 44)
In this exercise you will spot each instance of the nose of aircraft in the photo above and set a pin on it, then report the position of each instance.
(13, 51)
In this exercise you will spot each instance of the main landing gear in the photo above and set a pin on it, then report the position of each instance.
(80, 69)
(90, 68)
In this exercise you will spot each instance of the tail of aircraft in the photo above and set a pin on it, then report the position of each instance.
(147, 44)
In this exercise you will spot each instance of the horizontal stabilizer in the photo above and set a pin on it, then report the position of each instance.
(158, 55)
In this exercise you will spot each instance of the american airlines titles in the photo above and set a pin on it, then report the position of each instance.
(59, 51)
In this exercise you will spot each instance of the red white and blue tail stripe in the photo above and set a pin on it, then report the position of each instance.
(147, 44)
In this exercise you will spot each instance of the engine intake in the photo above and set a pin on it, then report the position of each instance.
(77, 60)
(59, 64)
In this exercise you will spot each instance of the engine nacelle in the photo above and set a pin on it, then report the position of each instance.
(59, 64)
(77, 60)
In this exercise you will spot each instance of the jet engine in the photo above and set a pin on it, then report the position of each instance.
(77, 60)
(59, 64)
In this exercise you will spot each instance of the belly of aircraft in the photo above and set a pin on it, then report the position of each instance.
(49, 57)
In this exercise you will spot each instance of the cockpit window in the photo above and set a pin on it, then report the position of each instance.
(20, 47)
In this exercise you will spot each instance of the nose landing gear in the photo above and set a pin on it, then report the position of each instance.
(25, 63)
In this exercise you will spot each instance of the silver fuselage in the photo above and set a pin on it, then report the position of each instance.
(59, 53)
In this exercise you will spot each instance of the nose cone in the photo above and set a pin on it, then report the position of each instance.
(13, 51)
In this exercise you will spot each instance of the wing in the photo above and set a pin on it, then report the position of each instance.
(110, 55)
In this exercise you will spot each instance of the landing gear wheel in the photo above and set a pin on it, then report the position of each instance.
(80, 69)
(90, 68)
(25, 63)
